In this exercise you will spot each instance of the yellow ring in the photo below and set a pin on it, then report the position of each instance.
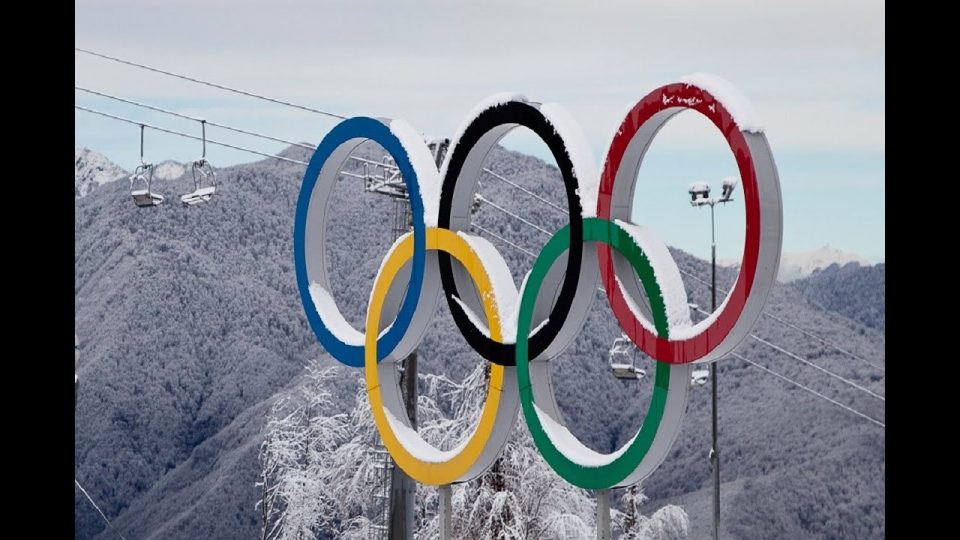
(452, 469)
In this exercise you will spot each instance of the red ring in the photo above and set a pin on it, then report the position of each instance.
(690, 97)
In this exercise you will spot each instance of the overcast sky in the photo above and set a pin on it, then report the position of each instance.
(813, 69)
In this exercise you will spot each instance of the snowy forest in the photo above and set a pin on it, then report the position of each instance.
(206, 407)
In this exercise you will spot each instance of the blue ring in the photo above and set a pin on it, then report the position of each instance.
(360, 127)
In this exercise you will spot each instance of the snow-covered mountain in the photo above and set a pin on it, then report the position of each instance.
(93, 170)
(169, 170)
(191, 328)
(800, 264)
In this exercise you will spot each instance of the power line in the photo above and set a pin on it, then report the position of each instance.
(807, 362)
(213, 85)
(194, 118)
(808, 389)
(187, 135)
(785, 323)
(114, 529)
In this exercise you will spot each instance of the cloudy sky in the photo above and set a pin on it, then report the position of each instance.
(814, 70)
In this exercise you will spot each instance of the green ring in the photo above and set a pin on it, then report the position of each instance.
(609, 475)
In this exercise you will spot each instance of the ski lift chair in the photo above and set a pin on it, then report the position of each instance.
(145, 196)
(143, 175)
(622, 362)
(204, 183)
(204, 177)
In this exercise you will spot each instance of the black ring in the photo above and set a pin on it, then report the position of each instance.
(512, 113)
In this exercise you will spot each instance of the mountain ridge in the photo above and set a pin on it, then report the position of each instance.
(190, 325)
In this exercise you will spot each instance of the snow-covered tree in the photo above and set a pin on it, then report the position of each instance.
(667, 523)
(297, 458)
(318, 474)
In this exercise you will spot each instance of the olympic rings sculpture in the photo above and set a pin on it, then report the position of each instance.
(641, 280)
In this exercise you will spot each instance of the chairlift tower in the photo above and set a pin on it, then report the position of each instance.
(392, 503)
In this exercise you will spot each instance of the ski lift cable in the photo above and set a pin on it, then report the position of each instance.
(187, 135)
(194, 118)
(527, 191)
(260, 135)
(789, 353)
(211, 84)
(486, 201)
(318, 111)
(285, 141)
(809, 363)
(754, 336)
(262, 97)
(87, 495)
(504, 240)
(808, 389)
(795, 327)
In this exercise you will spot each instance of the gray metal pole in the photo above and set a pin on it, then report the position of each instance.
(403, 489)
(446, 512)
(603, 514)
(715, 450)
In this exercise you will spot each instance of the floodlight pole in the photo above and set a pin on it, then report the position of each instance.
(715, 449)
(700, 196)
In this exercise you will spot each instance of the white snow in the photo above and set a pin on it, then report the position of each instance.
(506, 295)
(580, 153)
(504, 291)
(699, 187)
(667, 274)
(92, 170)
(474, 319)
(634, 308)
(725, 92)
(331, 316)
(797, 265)
(209, 190)
(427, 175)
(419, 448)
(688, 332)
(510, 328)
(573, 449)
(488, 102)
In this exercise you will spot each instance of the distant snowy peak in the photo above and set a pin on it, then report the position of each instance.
(169, 170)
(92, 170)
(798, 265)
